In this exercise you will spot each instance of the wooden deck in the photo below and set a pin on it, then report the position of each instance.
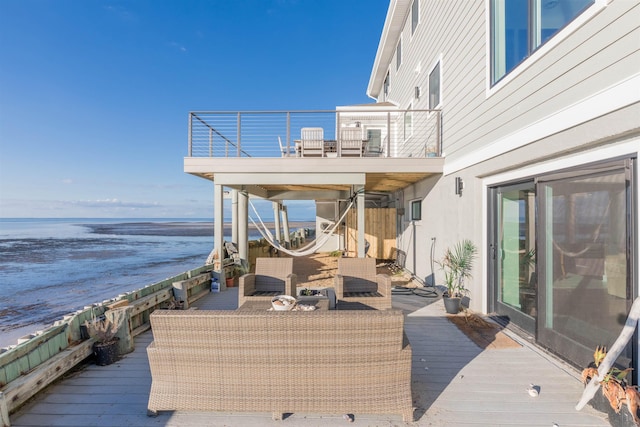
(455, 383)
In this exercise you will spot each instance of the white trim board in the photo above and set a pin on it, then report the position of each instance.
(622, 94)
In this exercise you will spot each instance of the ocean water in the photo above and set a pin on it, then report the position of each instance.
(52, 267)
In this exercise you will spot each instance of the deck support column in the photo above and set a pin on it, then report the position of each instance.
(285, 227)
(276, 222)
(218, 231)
(360, 215)
(234, 216)
(243, 225)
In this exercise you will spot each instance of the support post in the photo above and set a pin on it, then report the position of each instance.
(243, 225)
(360, 215)
(218, 231)
(276, 222)
(234, 216)
(285, 227)
(4, 411)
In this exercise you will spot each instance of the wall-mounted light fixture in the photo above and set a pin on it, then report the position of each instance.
(417, 92)
(459, 185)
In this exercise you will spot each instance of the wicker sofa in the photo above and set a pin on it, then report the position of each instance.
(335, 362)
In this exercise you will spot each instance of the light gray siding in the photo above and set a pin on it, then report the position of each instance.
(602, 52)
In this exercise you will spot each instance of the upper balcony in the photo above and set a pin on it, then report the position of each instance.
(375, 145)
(367, 132)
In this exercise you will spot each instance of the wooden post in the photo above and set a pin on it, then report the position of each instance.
(4, 411)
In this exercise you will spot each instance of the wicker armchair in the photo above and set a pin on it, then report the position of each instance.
(358, 286)
(273, 276)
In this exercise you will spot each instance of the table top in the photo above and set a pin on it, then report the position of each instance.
(253, 305)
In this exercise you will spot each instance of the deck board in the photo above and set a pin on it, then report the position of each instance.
(455, 383)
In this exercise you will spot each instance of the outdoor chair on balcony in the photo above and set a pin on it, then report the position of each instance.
(373, 147)
(273, 276)
(359, 287)
(312, 142)
(351, 142)
(286, 151)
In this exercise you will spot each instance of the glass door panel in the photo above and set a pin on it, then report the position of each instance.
(584, 292)
(514, 250)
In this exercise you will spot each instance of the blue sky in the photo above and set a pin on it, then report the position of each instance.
(95, 95)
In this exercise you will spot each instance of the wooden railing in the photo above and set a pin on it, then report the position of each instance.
(34, 363)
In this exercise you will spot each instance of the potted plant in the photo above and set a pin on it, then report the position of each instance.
(615, 389)
(457, 264)
(104, 330)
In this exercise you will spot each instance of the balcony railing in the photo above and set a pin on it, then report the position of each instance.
(388, 133)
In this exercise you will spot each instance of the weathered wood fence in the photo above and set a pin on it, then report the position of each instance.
(380, 232)
(39, 359)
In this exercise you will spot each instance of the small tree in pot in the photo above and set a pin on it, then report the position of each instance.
(457, 264)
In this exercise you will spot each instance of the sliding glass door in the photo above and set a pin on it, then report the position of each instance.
(560, 251)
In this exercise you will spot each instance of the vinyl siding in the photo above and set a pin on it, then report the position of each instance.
(604, 51)
(596, 56)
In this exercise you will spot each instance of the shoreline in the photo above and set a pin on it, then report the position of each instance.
(10, 337)
(175, 228)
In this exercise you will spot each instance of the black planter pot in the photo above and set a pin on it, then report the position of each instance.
(451, 305)
(106, 353)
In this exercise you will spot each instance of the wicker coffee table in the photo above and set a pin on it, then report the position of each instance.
(317, 294)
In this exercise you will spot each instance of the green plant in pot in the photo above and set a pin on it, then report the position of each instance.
(457, 265)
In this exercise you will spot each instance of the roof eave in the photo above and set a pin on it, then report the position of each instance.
(393, 25)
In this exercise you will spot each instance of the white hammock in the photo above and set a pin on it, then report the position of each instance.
(306, 250)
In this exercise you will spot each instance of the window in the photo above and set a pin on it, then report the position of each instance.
(415, 15)
(416, 210)
(434, 87)
(399, 54)
(519, 27)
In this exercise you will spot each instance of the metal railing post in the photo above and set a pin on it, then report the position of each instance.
(439, 133)
(190, 144)
(338, 135)
(210, 142)
(387, 154)
(288, 132)
(238, 148)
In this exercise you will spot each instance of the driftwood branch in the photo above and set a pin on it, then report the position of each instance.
(612, 355)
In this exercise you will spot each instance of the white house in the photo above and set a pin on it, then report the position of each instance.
(540, 140)
(515, 124)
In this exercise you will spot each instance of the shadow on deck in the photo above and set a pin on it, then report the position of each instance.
(454, 383)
